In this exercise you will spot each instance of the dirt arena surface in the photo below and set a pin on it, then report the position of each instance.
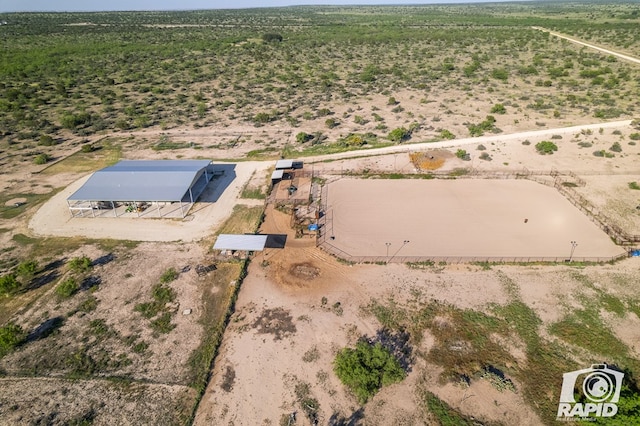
(459, 218)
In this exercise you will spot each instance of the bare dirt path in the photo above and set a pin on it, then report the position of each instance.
(471, 140)
(591, 46)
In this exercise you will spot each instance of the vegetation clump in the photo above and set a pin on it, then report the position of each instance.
(367, 368)
(67, 288)
(546, 147)
(488, 124)
(399, 134)
(11, 335)
(80, 264)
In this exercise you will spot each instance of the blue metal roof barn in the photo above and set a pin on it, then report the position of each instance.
(143, 181)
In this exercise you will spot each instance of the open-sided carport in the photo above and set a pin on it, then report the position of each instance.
(133, 186)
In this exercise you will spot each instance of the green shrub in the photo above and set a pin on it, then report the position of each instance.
(262, 118)
(500, 74)
(271, 37)
(8, 284)
(41, 159)
(46, 140)
(487, 125)
(87, 147)
(11, 335)
(67, 288)
(498, 109)
(331, 123)
(398, 135)
(367, 368)
(546, 147)
(446, 134)
(616, 147)
(634, 136)
(303, 137)
(463, 155)
(634, 185)
(603, 153)
(80, 264)
(27, 269)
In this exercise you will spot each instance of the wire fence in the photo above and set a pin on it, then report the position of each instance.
(330, 248)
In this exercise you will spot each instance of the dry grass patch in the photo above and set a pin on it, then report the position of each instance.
(429, 160)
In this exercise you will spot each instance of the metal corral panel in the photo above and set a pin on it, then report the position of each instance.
(240, 242)
(142, 180)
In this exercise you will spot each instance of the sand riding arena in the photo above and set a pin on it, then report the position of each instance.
(457, 220)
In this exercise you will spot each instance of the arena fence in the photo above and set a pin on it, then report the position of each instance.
(563, 181)
(330, 248)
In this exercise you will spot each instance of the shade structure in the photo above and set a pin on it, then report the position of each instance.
(240, 242)
(135, 185)
(143, 180)
(284, 164)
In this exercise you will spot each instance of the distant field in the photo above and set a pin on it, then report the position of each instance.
(460, 218)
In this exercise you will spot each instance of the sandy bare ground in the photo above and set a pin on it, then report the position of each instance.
(54, 217)
(100, 402)
(282, 334)
(459, 218)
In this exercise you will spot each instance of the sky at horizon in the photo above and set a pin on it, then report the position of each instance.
(140, 5)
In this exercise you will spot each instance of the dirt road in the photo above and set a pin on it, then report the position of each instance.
(591, 46)
(466, 141)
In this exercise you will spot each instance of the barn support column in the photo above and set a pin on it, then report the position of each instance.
(93, 211)
(158, 205)
(190, 195)
(113, 206)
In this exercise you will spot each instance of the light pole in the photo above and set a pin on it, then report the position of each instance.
(404, 243)
(388, 245)
(573, 248)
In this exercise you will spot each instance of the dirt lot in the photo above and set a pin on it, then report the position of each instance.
(299, 306)
(458, 218)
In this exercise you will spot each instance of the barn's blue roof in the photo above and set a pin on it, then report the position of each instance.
(142, 180)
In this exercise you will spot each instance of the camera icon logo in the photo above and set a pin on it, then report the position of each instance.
(600, 386)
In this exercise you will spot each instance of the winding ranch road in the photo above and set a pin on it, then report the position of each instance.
(591, 46)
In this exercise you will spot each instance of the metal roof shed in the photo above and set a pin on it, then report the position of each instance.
(144, 181)
(284, 164)
(240, 242)
(277, 176)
